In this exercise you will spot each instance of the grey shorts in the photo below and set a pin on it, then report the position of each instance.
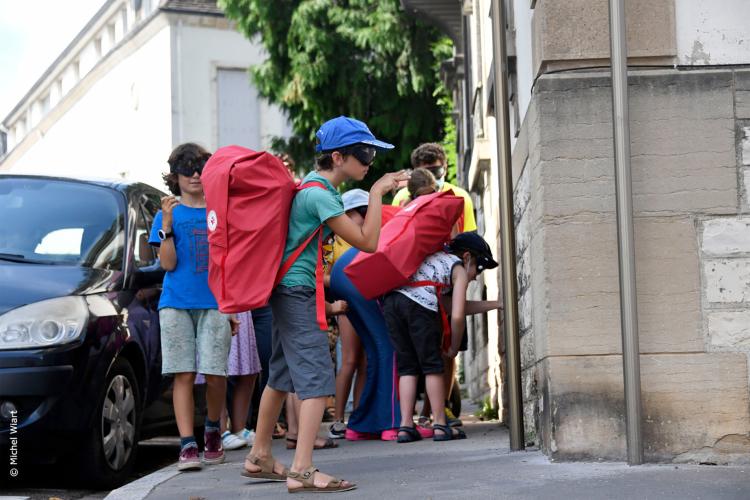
(300, 358)
(194, 340)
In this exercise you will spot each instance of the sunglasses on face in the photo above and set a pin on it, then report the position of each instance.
(437, 170)
(189, 170)
(364, 154)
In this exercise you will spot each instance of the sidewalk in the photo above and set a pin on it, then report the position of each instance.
(479, 467)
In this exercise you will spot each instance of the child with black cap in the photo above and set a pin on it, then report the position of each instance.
(413, 315)
(300, 360)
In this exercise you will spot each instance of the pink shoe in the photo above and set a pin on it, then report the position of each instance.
(189, 459)
(389, 435)
(425, 432)
(213, 452)
(352, 435)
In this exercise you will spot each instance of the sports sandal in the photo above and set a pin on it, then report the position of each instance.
(291, 444)
(412, 434)
(266, 469)
(447, 433)
(306, 477)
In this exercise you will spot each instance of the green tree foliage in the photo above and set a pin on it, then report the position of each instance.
(362, 58)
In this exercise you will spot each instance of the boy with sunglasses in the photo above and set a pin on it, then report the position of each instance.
(431, 156)
(190, 321)
(301, 360)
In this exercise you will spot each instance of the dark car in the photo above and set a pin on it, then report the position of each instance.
(80, 361)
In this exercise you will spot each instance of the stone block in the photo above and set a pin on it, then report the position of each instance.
(727, 280)
(683, 145)
(528, 343)
(745, 145)
(742, 94)
(521, 195)
(691, 402)
(578, 30)
(746, 187)
(726, 237)
(729, 329)
(582, 287)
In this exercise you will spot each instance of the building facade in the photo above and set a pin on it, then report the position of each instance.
(689, 90)
(141, 77)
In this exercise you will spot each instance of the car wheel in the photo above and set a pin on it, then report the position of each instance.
(112, 442)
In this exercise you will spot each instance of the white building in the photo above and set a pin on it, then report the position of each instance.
(141, 77)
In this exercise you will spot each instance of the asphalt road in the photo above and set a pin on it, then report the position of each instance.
(52, 482)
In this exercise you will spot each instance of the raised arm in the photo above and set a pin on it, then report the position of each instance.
(366, 237)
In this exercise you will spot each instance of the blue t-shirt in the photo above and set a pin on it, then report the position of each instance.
(186, 287)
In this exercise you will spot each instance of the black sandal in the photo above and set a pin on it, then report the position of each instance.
(447, 433)
(412, 434)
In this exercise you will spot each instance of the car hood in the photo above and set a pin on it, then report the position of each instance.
(22, 284)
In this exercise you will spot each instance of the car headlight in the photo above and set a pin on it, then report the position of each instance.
(43, 324)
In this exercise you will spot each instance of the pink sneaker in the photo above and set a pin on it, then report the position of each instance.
(189, 459)
(352, 435)
(425, 432)
(389, 435)
(213, 452)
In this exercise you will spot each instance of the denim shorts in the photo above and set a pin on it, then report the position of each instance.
(300, 358)
(194, 340)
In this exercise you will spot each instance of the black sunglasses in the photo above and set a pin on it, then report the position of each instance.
(437, 170)
(189, 170)
(363, 153)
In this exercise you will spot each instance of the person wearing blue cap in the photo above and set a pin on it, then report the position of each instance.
(300, 360)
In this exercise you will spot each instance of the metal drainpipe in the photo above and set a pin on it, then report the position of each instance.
(625, 239)
(507, 229)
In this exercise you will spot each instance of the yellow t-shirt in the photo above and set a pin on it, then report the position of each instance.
(470, 223)
(339, 248)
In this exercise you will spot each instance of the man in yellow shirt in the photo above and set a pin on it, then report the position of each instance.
(432, 157)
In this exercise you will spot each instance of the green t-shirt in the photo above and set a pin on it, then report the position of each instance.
(311, 208)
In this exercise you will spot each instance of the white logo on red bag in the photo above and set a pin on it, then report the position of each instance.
(212, 221)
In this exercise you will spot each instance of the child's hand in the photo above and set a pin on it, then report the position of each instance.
(339, 307)
(167, 205)
(235, 324)
(389, 182)
(450, 353)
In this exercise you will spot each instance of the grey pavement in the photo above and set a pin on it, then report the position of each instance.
(478, 467)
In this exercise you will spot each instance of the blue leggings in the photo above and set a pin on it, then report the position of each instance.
(378, 408)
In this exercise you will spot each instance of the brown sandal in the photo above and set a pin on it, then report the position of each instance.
(266, 469)
(308, 483)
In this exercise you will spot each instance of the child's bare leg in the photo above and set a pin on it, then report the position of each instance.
(292, 413)
(350, 347)
(268, 414)
(293, 431)
(407, 387)
(449, 376)
(243, 392)
(182, 400)
(224, 419)
(216, 394)
(435, 389)
(310, 418)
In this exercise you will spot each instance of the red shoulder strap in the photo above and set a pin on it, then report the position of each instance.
(320, 304)
(443, 314)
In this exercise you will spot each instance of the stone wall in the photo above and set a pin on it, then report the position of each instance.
(690, 164)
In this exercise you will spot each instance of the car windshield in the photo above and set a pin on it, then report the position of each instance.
(45, 221)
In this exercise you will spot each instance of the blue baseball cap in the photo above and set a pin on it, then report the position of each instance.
(345, 131)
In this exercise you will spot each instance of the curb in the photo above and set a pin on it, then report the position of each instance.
(140, 488)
